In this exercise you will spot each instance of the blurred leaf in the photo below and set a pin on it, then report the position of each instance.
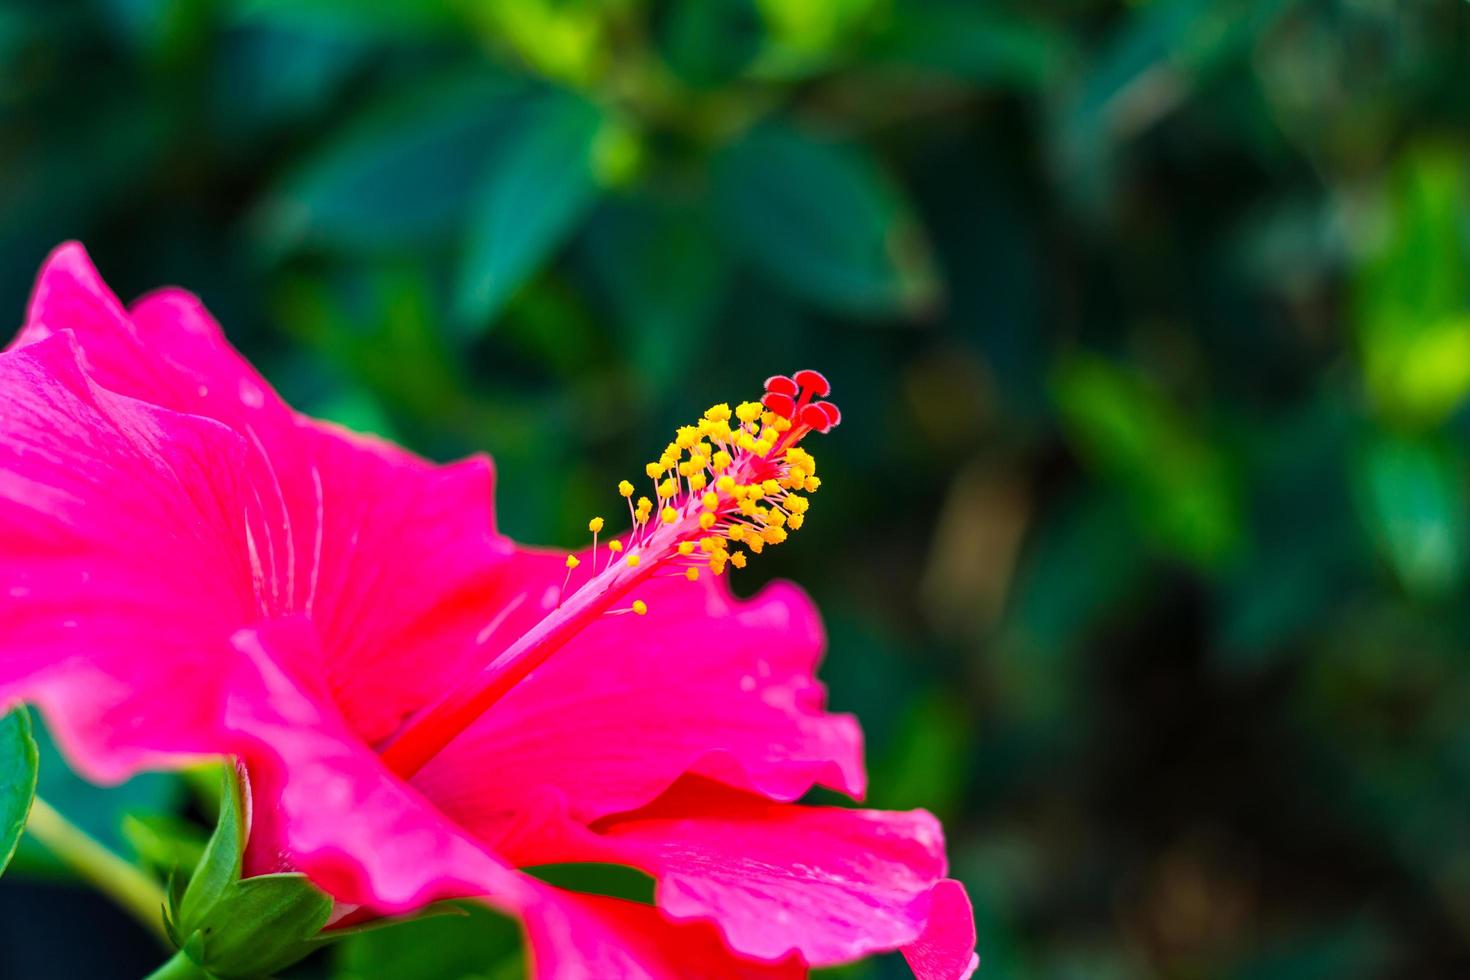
(394, 19)
(976, 42)
(480, 944)
(1412, 292)
(18, 762)
(99, 811)
(1413, 495)
(711, 42)
(665, 278)
(822, 219)
(404, 172)
(612, 880)
(530, 199)
(1180, 486)
(166, 844)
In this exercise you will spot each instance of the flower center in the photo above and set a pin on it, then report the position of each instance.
(729, 485)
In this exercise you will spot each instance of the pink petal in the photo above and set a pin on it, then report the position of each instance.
(585, 937)
(323, 804)
(704, 683)
(388, 553)
(403, 554)
(946, 950)
(833, 884)
(123, 562)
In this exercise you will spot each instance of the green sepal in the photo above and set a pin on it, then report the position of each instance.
(260, 925)
(219, 869)
(18, 767)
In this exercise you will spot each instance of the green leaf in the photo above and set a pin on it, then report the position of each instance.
(664, 276)
(1180, 486)
(1411, 292)
(974, 42)
(822, 219)
(1413, 493)
(19, 762)
(219, 868)
(613, 880)
(400, 175)
(530, 199)
(480, 943)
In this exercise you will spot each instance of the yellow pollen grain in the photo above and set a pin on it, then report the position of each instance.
(707, 520)
(572, 561)
(711, 501)
(625, 489)
(632, 561)
(692, 574)
(615, 546)
(670, 515)
(738, 559)
(640, 607)
(595, 525)
(686, 548)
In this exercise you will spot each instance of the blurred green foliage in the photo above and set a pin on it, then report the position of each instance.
(1143, 546)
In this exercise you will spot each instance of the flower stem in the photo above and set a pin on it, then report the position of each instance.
(178, 967)
(130, 888)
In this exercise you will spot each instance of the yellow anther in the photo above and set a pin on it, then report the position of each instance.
(774, 535)
(653, 470)
(711, 501)
(717, 566)
(738, 559)
(755, 544)
(747, 507)
(640, 607)
(686, 548)
(718, 431)
(721, 460)
(813, 484)
(686, 436)
(707, 520)
(718, 413)
(725, 484)
(777, 518)
(770, 488)
(708, 545)
(698, 482)
(745, 441)
(797, 505)
(632, 561)
(763, 447)
(692, 574)
(670, 515)
(595, 525)
(667, 489)
(795, 522)
(615, 546)
(736, 532)
(625, 488)
(749, 411)
(573, 561)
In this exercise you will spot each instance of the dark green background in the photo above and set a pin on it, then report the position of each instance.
(1143, 543)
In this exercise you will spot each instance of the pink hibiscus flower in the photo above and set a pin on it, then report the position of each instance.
(188, 567)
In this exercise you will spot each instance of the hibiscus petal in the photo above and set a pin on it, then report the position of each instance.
(946, 950)
(124, 562)
(834, 884)
(168, 350)
(387, 552)
(704, 683)
(586, 937)
(323, 803)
